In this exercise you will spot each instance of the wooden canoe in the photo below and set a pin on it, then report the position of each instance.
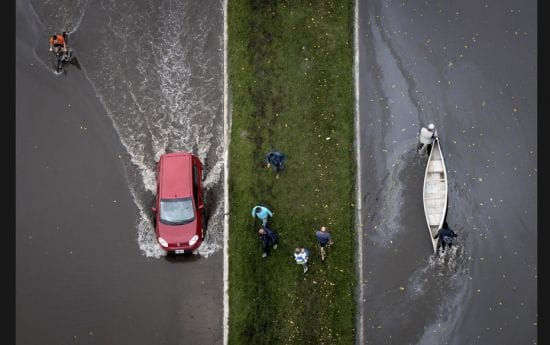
(435, 191)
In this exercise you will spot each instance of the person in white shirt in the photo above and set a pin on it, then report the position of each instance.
(301, 255)
(426, 139)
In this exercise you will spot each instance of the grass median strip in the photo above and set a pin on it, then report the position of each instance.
(291, 89)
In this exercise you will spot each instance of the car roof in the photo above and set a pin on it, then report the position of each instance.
(175, 175)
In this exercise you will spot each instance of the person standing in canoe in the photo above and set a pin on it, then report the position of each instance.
(426, 139)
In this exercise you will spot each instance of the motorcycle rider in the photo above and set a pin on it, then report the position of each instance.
(59, 43)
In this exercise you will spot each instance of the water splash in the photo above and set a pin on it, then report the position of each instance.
(161, 89)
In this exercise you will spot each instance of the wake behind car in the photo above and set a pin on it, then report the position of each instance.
(179, 205)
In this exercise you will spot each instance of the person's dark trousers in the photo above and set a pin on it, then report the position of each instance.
(421, 146)
(440, 247)
(443, 245)
(265, 244)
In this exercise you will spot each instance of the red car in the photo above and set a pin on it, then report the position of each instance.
(179, 205)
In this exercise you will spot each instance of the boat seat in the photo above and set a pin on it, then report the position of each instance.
(434, 219)
(436, 166)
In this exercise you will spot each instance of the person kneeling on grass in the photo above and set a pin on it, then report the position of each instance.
(301, 255)
(276, 160)
(267, 238)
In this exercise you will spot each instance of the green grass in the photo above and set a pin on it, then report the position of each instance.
(291, 89)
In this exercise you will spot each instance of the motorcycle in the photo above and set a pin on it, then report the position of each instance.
(62, 59)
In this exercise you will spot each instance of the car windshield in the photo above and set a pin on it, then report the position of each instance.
(176, 211)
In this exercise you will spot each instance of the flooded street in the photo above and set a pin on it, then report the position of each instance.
(88, 267)
(470, 68)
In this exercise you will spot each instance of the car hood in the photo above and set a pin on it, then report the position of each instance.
(177, 233)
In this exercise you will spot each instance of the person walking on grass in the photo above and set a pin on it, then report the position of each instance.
(325, 240)
(262, 213)
(267, 238)
(301, 255)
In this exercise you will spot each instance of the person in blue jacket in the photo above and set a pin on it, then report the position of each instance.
(262, 213)
(267, 238)
(325, 240)
(276, 160)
